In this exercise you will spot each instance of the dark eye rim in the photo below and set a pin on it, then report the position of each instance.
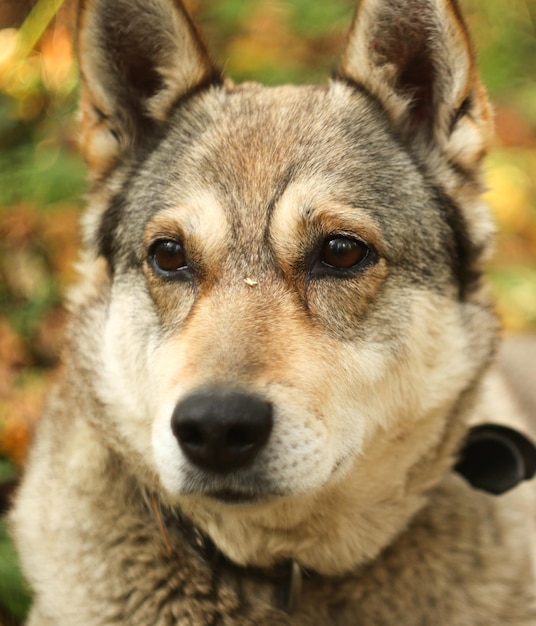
(321, 269)
(183, 273)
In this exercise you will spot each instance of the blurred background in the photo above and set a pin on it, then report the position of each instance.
(42, 176)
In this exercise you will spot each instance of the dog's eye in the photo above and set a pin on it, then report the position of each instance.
(343, 253)
(167, 256)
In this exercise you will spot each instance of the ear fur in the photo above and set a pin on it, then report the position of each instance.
(416, 57)
(137, 58)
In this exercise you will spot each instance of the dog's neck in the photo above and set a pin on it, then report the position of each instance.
(286, 576)
(330, 534)
(347, 526)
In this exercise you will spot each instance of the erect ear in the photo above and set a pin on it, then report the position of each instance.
(137, 58)
(415, 56)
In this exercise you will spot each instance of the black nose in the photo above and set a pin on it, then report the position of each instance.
(222, 431)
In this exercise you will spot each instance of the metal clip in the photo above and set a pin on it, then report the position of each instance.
(294, 589)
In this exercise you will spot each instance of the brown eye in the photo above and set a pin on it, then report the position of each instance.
(343, 253)
(167, 256)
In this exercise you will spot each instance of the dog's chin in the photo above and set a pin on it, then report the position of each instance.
(216, 492)
(231, 497)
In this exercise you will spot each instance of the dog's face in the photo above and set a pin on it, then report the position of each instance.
(289, 302)
(268, 261)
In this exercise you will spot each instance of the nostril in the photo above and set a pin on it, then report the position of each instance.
(190, 434)
(241, 437)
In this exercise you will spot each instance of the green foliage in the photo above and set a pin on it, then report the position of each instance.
(319, 19)
(505, 35)
(276, 41)
(516, 286)
(14, 594)
(8, 471)
(44, 173)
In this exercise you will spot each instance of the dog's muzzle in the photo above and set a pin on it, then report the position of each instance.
(222, 430)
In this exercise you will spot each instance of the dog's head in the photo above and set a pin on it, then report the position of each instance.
(283, 285)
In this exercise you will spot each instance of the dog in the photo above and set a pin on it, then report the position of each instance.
(279, 403)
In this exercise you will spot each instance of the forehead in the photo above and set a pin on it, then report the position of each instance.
(242, 151)
(264, 136)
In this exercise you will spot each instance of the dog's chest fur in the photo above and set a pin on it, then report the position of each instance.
(162, 586)
(467, 589)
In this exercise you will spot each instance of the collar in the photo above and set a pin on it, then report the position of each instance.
(286, 576)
